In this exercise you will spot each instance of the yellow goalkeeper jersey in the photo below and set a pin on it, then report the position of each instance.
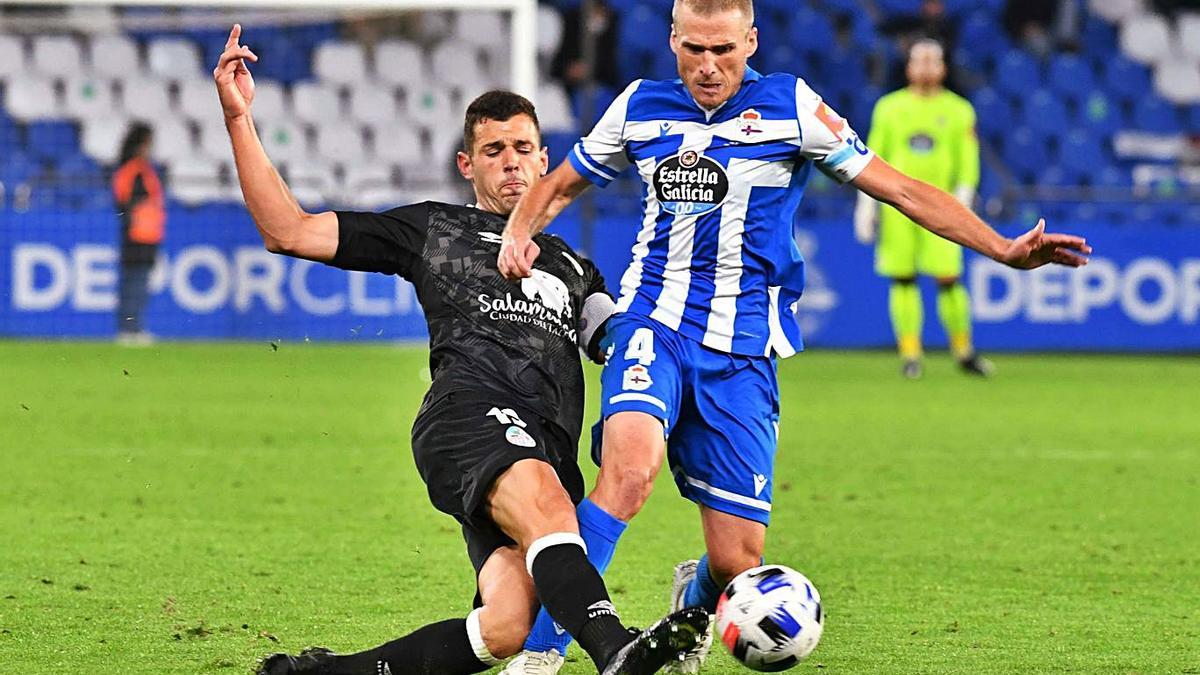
(929, 138)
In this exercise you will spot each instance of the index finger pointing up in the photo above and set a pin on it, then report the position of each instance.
(233, 36)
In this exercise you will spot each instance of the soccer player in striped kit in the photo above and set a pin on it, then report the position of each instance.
(707, 304)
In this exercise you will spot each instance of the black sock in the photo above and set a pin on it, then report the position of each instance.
(573, 593)
(441, 648)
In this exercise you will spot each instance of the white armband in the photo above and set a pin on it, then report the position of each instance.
(597, 307)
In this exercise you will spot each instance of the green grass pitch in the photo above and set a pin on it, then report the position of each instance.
(189, 508)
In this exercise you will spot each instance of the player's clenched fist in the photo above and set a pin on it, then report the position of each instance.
(516, 257)
(235, 86)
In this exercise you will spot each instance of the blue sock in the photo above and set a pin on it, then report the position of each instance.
(703, 591)
(600, 531)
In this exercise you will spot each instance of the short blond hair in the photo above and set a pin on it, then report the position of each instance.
(709, 7)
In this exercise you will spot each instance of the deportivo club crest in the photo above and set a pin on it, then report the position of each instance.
(749, 123)
(690, 184)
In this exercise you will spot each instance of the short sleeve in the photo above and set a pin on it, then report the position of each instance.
(827, 139)
(600, 155)
(390, 242)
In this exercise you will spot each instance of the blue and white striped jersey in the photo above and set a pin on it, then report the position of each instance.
(715, 258)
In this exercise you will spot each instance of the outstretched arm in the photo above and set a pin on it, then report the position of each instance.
(945, 216)
(284, 226)
(545, 200)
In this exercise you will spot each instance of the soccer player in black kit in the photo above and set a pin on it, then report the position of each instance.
(496, 437)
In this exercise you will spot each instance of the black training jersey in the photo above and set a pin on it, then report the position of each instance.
(485, 332)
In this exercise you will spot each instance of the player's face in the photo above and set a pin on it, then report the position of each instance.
(926, 67)
(711, 52)
(506, 160)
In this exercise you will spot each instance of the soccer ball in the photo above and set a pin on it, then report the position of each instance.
(770, 618)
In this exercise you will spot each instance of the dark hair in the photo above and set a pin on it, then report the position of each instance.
(498, 105)
(138, 134)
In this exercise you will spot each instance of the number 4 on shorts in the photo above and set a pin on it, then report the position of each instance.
(641, 347)
(506, 416)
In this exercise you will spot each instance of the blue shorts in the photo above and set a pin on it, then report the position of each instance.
(721, 412)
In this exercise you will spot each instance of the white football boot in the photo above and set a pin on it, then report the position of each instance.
(535, 663)
(690, 664)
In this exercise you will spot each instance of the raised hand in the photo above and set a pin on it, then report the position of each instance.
(516, 257)
(1037, 247)
(235, 85)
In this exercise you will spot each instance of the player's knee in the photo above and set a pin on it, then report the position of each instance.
(728, 562)
(904, 281)
(946, 283)
(623, 490)
(506, 627)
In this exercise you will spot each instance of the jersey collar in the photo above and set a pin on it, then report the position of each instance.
(751, 75)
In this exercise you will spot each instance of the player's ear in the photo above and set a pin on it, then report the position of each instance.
(544, 158)
(464, 165)
(752, 41)
(674, 41)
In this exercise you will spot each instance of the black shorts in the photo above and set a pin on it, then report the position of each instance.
(463, 440)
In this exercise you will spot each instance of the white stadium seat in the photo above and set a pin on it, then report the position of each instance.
(93, 18)
(57, 55)
(341, 142)
(368, 187)
(313, 183)
(284, 140)
(1115, 11)
(198, 99)
(214, 139)
(1146, 38)
(549, 31)
(195, 180)
(554, 108)
(1188, 27)
(373, 104)
(30, 98)
(88, 97)
(172, 139)
(316, 102)
(399, 143)
(1178, 81)
(145, 98)
(340, 62)
(12, 56)
(101, 137)
(269, 102)
(454, 62)
(429, 106)
(174, 58)
(400, 62)
(482, 28)
(113, 56)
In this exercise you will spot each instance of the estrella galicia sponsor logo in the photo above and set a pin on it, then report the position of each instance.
(690, 184)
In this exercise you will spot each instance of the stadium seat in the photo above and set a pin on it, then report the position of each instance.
(340, 62)
(1082, 154)
(373, 103)
(197, 98)
(341, 143)
(458, 65)
(212, 139)
(113, 55)
(1115, 11)
(1045, 114)
(12, 56)
(1178, 82)
(1127, 80)
(88, 97)
(1100, 114)
(18, 168)
(1112, 177)
(559, 143)
(174, 58)
(1056, 176)
(47, 140)
(57, 55)
(269, 101)
(980, 36)
(1146, 38)
(102, 136)
(313, 183)
(316, 102)
(1098, 37)
(429, 106)
(482, 28)
(400, 144)
(145, 99)
(589, 103)
(368, 187)
(1193, 120)
(28, 99)
(554, 108)
(172, 139)
(1188, 28)
(196, 180)
(643, 29)
(284, 59)
(283, 140)
(1025, 154)
(1071, 76)
(400, 62)
(810, 31)
(1152, 114)
(79, 168)
(1017, 74)
(549, 31)
(993, 114)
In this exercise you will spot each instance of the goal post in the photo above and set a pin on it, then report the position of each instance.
(523, 49)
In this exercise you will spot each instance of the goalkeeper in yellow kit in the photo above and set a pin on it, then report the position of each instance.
(927, 132)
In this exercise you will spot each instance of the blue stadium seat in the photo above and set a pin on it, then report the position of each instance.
(897, 7)
(47, 140)
(811, 32)
(1112, 176)
(18, 167)
(1153, 114)
(993, 114)
(559, 144)
(1045, 114)
(1125, 79)
(598, 99)
(779, 57)
(1017, 74)
(1025, 154)
(1098, 37)
(1099, 113)
(1193, 119)
(980, 36)
(78, 167)
(1056, 176)
(1083, 154)
(644, 29)
(1071, 76)
(11, 137)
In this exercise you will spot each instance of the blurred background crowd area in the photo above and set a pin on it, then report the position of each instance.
(1088, 110)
